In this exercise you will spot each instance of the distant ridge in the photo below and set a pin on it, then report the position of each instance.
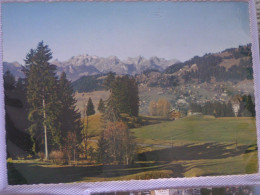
(86, 65)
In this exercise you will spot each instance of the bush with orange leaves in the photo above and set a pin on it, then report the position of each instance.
(120, 142)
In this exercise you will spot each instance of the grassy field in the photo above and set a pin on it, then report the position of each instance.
(82, 99)
(34, 172)
(192, 146)
(95, 125)
(201, 129)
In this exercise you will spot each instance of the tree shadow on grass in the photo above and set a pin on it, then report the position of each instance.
(193, 152)
(32, 173)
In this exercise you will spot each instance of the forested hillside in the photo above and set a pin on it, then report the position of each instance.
(230, 65)
(88, 84)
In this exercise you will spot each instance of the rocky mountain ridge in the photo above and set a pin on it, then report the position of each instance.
(84, 65)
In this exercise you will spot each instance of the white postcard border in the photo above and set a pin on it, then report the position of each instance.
(133, 185)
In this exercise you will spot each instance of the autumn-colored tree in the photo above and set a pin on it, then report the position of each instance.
(163, 107)
(153, 108)
(166, 108)
(121, 145)
(71, 143)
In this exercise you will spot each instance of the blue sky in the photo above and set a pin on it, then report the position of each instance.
(124, 29)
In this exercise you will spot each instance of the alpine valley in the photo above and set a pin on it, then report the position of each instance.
(214, 76)
(129, 120)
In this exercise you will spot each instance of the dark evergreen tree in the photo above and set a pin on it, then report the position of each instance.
(119, 92)
(88, 83)
(112, 113)
(42, 97)
(250, 105)
(217, 109)
(101, 106)
(229, 111)
(109, 80)
(133, 97)
(124, 92)
(90, 108)
(102, 155)
(70, 116)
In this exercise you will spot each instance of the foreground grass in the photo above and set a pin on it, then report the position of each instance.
(242, 164)
(35, 172)
(192, 146)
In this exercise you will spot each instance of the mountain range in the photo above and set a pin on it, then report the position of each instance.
(83, 65)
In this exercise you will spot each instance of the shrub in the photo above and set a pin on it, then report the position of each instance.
(57, 157)
(41, 155)
(153, 175)
(29, 156)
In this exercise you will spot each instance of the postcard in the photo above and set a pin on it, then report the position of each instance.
(119, 91)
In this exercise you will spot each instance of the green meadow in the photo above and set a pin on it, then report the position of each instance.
(201, 129)
(188, 147)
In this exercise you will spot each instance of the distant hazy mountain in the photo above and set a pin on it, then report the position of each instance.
(84, 65)
(112, 63)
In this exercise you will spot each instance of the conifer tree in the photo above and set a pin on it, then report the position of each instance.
(109, 80)
(250, 105)
(90, 107)
(101, 106)
(102, 155)
(90, 110)
(70, 115)
(112, 113)
(124, 92)
(43, 101)
(229, 111)
(133, 97)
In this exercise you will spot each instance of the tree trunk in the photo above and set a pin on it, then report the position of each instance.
(84, 131)
(45, 129)
(86, 143)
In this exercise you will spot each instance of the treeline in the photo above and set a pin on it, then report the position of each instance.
(50, 121)
(242, 51)
(16, 104)
(53, 126)
(246, 106)
(241, 106)
(242, 71)
(216, 109)
(124, 93)
(116, 143)
(88, 84)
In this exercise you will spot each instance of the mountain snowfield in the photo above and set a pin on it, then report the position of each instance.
(85, 64)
